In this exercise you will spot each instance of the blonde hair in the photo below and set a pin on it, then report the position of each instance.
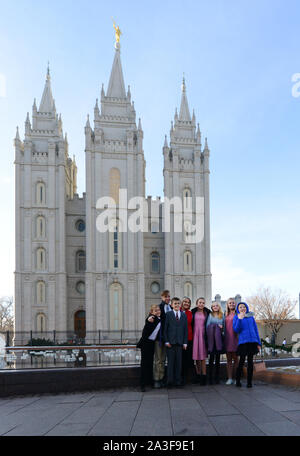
(154, 306)
(220, 312)
(227, 306)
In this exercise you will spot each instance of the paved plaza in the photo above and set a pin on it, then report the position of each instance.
(194, 410)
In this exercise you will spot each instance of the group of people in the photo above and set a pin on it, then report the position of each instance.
(186, 338)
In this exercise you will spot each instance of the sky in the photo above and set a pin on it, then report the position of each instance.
(238, 59)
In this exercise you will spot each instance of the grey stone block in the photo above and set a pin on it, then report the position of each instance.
(260, 414)
(280, 404)
(129, 396)
(293, 416)
(280, 428)
(234, 425)
(117, 420)
(153, 418)
(214, 404)
(188, 418)
(70, 429)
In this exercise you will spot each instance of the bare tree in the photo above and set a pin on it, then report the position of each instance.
(272, 308)
(6, 313)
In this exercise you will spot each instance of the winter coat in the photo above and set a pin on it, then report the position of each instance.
(246, 328)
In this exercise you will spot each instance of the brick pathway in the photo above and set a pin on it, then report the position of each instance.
(193, 410)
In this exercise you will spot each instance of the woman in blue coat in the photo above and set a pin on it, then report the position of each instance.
(249, 341)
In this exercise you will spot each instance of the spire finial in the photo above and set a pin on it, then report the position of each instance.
(183, 88)
(96, 109)
(206, 145)
(118, 33)
(184, 113)
(48, 71)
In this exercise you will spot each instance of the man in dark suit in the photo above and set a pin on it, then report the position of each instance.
(176, 339)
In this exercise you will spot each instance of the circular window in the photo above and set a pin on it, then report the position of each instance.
(80, 287)
(80, 225)
(155, 287)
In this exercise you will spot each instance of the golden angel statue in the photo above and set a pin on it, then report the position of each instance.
(117, 32)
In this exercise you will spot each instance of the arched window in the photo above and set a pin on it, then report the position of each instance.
(40, 292)
(41, 322)
(155, 266)
(188, 290)
(187, 202)
(40, 193)
(80, 261)
(114, 184)
(154, 227)
(115, 307)
(188, 232)
(187, 261)
(41, 259)
(115, 241)
(79, 324)
(40, 227)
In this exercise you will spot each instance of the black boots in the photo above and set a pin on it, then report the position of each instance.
(202, 380)
(196, 379)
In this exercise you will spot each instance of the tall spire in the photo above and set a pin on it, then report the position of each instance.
(184, 113)
(116, 86)
(47, 101)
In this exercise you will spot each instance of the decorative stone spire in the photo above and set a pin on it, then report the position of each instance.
(102, 92)
(96, 109)
(184, 114)
(116, 87)
(47, 102)
(88, 125)
(176, 115)
(140, 124)
(34, 108)
(129, 93)
(17, 138)
(27, 125)
(166, 142)
(206, 149)
(198, 134)
(60, 126)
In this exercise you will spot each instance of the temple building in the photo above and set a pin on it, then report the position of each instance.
(69, 276)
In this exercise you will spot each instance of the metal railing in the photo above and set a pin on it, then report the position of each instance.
(99, 337)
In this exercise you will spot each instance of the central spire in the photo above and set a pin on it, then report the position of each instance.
(47, 101)
(116, 86)
(184, 113)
